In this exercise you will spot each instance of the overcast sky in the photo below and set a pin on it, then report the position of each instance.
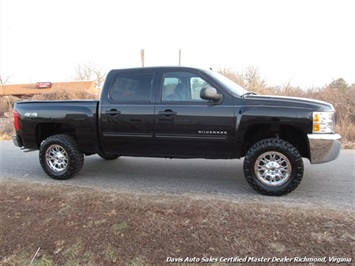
(308, 43)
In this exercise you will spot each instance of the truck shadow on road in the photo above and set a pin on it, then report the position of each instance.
(167, 175)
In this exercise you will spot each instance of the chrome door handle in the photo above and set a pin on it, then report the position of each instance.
(113, 112)
(167, 113)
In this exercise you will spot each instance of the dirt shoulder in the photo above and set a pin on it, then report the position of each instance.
(70, 225)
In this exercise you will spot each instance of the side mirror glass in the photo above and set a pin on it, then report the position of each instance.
(211, 94)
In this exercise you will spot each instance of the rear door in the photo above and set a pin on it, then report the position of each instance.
(188, 126)
(127, 115)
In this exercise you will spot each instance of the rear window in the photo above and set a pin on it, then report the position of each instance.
(131, 87)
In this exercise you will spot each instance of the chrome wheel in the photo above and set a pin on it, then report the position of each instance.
(57, 158)
(273, 168)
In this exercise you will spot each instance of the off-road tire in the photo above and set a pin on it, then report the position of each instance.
(108, 156)
(60, 157)
(260, 160)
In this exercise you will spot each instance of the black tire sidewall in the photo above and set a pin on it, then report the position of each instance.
(283, 147)
(108, 156)
(75, 157)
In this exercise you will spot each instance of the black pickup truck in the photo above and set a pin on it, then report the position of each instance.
(181, 112)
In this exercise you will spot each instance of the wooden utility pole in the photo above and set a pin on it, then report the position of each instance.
(142, 57)
(179, 57)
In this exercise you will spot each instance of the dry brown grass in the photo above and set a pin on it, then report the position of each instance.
(6, 127)
(64, 95)
(82, 226)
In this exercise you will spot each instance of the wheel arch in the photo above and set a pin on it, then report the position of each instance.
(292, 134)
(45, 130)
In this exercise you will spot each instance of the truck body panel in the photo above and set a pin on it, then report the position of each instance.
(152, 126)
(40, 119)
(182, 112)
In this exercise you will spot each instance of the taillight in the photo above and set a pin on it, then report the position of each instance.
(16, 122)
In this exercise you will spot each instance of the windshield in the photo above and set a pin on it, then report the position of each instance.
(232, 87)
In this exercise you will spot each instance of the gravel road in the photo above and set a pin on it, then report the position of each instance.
(328, 186)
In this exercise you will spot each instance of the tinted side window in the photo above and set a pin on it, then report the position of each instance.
(131, 87)
(182, 87)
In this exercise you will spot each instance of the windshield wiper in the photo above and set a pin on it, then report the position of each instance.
(247, 93)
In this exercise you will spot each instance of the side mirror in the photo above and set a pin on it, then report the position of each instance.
(210, 93)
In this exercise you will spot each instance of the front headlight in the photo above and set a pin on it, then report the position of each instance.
(323, 122)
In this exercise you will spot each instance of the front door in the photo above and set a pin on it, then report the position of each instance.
(188, 126)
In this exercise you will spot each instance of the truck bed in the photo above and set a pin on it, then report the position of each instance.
(38, 119)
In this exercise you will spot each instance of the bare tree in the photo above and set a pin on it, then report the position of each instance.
(250, 77)
(232, 75)
(5, 102)
(253, 79)
(4, 80)
(90, 71)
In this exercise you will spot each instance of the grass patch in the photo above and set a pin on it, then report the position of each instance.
(119, 228)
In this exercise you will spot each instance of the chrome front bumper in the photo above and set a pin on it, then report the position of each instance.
(324, 147)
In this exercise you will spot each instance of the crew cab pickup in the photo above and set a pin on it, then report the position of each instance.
(181, 112)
